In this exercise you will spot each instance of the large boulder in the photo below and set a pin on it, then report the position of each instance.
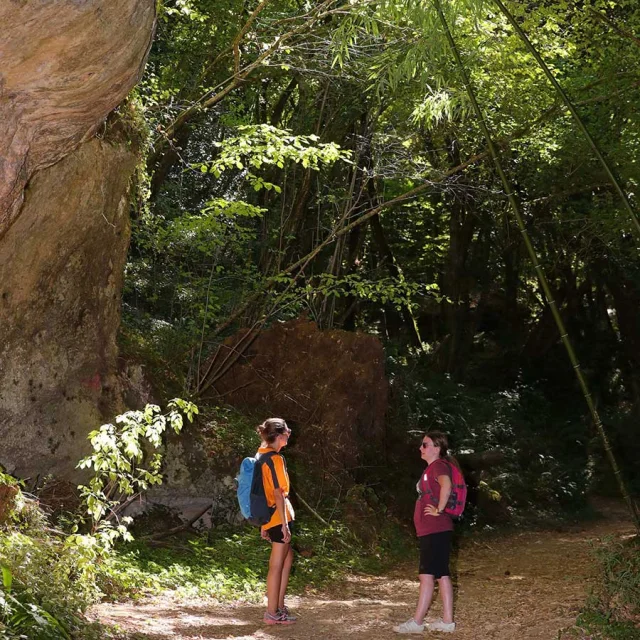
(64, 222)
(61, 266)
(329, 385)
(331, 388)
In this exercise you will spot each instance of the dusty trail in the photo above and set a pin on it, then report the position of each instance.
(525, 586)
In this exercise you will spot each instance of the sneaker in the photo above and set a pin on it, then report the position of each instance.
(284, 611)
(439, 625)
(410, 626)
(279, 618)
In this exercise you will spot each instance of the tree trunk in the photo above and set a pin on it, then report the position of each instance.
(395, 272)
(456, 286)
(626, 299)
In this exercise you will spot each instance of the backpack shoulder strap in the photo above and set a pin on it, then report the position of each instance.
(266, 458)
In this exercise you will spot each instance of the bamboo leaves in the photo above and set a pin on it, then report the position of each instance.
(581, 125)
(509, 191)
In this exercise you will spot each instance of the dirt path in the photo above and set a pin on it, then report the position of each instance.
(522, 586)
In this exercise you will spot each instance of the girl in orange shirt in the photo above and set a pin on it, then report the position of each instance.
(275, 433)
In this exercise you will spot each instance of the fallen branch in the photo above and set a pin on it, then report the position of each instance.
(182, 527)
(311, 510)
(318, 517)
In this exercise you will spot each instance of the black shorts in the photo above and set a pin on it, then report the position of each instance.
(275, 533)
(434, 554)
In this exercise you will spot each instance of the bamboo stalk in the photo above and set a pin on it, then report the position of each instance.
(235, 352)
(538, 268)
(576, 116)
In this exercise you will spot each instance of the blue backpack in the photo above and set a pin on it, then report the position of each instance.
(251, 496)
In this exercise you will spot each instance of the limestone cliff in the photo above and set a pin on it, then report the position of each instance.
(64, 225)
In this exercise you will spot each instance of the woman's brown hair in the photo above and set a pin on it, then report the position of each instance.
(270, 429)
(441, 441)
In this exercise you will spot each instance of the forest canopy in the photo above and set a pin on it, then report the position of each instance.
(325, 158)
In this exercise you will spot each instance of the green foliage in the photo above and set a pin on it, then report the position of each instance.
(221, 225)
(259, 145)
(544, 469)
(614, 606)
(163, 348)
(377, 80)
(396, 292)
(370, 100)
(49, 576)
(619, 590)
(125, 465)
(232, 564)
(619, 423)
(43, 590)
(48, 579)
(600, 626)
(28, 620)
(9, 480)
(32, 571)
(227, 431)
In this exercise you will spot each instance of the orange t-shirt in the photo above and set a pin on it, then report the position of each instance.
(269, 487)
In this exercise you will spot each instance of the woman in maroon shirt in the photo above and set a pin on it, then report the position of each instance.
(434, 528)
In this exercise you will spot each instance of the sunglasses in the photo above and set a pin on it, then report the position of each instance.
(425, 445)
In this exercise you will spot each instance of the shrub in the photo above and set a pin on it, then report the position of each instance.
(50, 577)
(126, 461)
(619, 589)
(613, 611)
(46, 582)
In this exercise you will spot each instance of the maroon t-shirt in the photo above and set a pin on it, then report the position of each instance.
(425, 524)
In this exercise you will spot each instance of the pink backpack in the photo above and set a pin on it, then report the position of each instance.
(458, 498)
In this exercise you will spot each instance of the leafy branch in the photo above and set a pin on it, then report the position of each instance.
(125, 462)
(263, 144)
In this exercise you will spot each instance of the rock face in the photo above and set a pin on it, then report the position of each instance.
(194, 486)
(65, 64)
(64, 225)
